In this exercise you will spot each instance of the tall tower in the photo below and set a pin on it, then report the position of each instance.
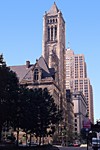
(53, 43)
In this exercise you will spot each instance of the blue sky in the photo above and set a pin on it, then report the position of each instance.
(21, 33)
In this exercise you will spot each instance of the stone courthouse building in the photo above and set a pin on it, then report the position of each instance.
(49, 69)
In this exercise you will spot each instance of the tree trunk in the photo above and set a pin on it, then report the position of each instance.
(17, 137)
(0, 133)
(26, 137)
(43, 139)
(30, 140)
(40, 140)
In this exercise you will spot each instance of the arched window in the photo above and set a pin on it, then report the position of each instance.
(52, 33)
(50, 20)
(48, 33)
(36, 74)
(55, 32)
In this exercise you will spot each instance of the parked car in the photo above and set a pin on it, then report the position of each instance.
(83, 145)
(9, 140)
(70, 144)
(77, 143)
(32, 144)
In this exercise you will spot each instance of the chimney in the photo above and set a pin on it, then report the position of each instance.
(27, 64)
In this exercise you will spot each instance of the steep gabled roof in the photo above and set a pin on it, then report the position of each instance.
(25, 73)
(42, 63)
(54, 9)
(21, 71)
(46, 71)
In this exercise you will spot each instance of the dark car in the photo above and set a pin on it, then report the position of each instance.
(70, 144)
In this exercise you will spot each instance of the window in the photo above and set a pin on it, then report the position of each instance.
(36, 74)
(75, 115)
(50, 20)
(48, 33)
(52, 33)
(75, 120)
(55, 32)
(75, 129)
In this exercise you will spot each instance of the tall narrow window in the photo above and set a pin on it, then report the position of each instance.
(52, 33)
(48, 33)
(55, 32)
(36, 74)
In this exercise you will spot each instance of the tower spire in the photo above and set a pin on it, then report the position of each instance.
(54, 9)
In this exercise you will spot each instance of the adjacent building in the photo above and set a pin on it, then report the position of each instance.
(77, 80)
(70, 114)
(80, 110)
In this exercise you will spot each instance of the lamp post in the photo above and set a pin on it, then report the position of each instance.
(87, 134)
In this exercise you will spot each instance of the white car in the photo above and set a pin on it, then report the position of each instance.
(83, 145)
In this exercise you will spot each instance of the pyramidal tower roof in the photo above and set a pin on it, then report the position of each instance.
(54, 9)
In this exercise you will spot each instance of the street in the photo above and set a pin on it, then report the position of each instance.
(74, 148)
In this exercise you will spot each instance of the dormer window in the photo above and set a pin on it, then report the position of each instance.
(36, 74)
